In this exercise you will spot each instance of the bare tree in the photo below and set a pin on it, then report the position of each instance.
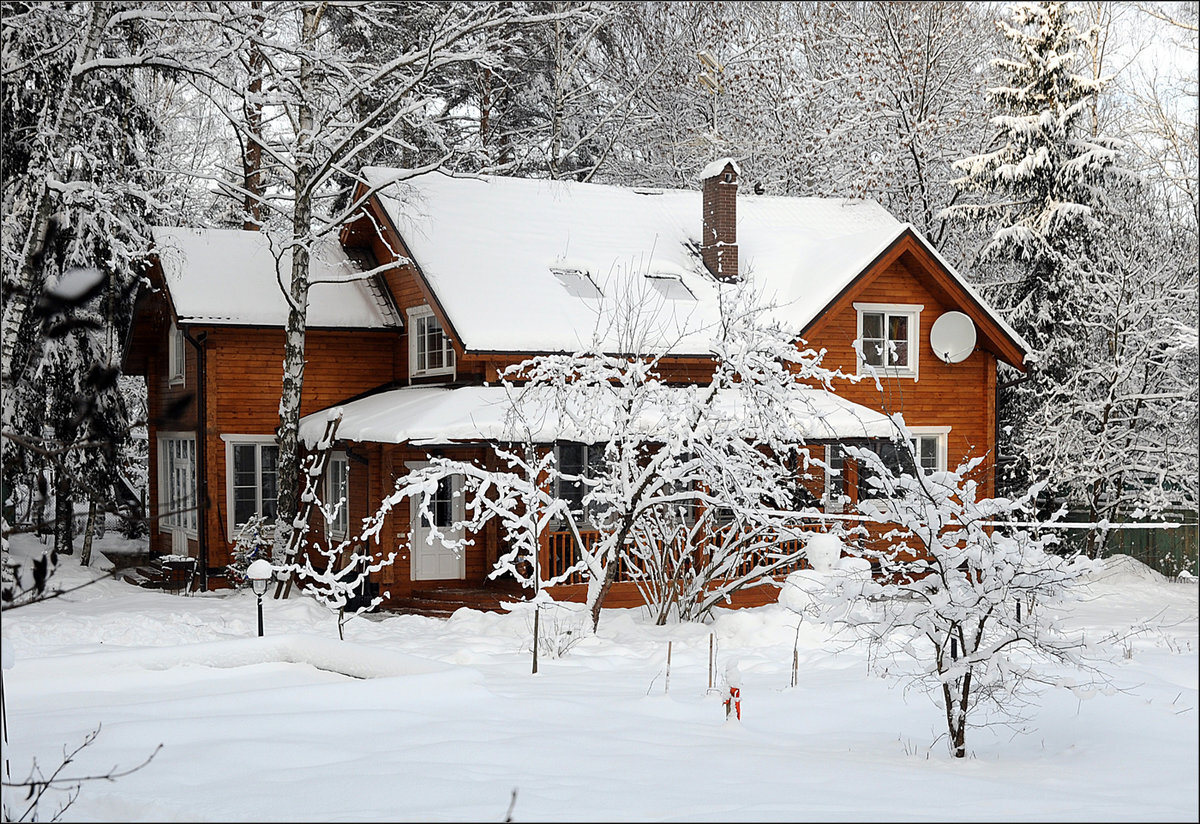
(958, 606)
(323, 107)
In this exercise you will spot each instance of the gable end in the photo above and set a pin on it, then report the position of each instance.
(942, 281)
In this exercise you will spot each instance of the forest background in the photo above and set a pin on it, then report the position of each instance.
(1032, 144)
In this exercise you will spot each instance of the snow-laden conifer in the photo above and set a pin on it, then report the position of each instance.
(1038, 192)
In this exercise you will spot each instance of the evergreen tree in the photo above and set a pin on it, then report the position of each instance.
(77, 201)
(1041, 187)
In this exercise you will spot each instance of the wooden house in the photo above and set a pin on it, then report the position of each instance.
(482, 272)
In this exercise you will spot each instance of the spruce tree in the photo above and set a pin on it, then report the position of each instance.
(1039, 194)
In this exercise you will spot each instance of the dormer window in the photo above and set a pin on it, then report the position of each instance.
(429, 350)
(887, 339)
(176, 356)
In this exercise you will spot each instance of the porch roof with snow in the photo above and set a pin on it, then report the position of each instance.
(233, 277)
(441, 415)
(525, 265)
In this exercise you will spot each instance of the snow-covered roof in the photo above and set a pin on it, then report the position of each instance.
(522, 265)
(438, 415)
(229, 276)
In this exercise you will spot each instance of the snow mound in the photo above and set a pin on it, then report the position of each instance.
(343, 657)
(1124, 568)
(822, 550)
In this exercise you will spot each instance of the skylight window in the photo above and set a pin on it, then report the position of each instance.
(670, 285)
(577, 282)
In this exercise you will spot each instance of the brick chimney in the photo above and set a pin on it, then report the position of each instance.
(718, 244)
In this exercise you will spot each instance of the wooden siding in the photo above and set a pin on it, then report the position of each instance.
(959, 395)
(169, 408)
(245, 379)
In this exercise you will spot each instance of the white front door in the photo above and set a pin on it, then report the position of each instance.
(431, 559)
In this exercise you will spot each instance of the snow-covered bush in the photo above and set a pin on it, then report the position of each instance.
(561, 627)
(253, 540)
(336, 573)
(971, 603)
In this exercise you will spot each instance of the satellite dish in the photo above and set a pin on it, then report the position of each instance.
(952, 337)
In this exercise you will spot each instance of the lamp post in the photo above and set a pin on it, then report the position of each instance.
(260, 573)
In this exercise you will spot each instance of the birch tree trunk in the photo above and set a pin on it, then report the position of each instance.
(293, 355)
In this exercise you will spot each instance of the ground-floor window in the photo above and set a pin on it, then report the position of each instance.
(577, 462)
(929, 446)
(926, 448)
(337, 494)
(252, 473)
(177, 483)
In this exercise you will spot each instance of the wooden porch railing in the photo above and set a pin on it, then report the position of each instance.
(561, 554)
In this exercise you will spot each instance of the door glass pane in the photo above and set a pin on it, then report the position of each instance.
(443, 511)
(441, 505)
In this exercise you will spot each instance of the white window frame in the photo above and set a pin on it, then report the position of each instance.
(176, 356)
(834, 503)
(913, 312)
(941, 433)
(243, 440)
(172, 515)
(340, 525)
(418, 316)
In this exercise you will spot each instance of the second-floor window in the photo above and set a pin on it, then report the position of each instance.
(429, 349)
(176, 355)
(887, 338)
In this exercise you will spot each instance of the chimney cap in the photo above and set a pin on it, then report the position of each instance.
(717, 166)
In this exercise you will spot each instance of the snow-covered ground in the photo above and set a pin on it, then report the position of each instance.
(414, 718)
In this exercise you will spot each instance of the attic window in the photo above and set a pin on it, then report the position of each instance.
(429, 349)
(176, 356)
(670, 285)
(887, 339)
(577, 282)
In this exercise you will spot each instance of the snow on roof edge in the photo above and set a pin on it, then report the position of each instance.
(970, 290)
